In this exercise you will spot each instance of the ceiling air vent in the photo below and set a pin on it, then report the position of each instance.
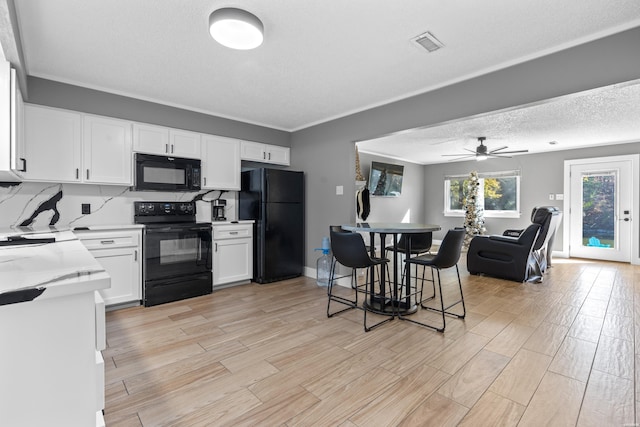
(428, 41)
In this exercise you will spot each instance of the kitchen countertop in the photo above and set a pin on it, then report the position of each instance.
(241, 221)
(64, 267)
(109, 227)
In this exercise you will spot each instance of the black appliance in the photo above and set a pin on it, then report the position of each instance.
(161, 173)
(217, 210)
(177, 252)
(274, 198)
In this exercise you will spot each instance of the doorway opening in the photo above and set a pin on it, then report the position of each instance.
(601, 204)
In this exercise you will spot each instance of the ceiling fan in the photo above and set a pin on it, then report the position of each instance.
(483, 153)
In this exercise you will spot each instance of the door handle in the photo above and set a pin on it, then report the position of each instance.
(24, 164)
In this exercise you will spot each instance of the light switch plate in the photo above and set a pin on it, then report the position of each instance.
(339, 190)
(559, 196)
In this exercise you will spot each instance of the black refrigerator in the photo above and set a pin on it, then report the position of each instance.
(274, 198)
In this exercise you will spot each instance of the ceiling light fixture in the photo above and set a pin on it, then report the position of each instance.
(236, 28)
(481, 150)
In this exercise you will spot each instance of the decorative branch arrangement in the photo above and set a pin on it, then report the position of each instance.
(474, 215)
(359, 176)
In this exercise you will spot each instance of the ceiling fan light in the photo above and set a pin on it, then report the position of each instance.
(236, 28)
(481, 157)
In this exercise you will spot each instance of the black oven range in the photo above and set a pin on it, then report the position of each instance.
(177, 252)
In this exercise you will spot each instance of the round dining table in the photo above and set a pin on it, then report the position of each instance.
(379, 303)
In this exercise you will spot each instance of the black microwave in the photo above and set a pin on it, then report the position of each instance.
(160, 173)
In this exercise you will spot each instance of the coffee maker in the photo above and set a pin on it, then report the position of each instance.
(217, 210)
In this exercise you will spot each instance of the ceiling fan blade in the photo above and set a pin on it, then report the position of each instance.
(498, 149)
(459, 154)
(501, 155)
(511, 152)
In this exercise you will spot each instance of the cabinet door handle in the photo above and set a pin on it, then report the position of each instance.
(166, 148)
(264, 155)
(87, 173)
(205, 181)
(77, 173)
(171, 148)
(269, 156)
(216, 249)
(24, 164)
(107, 242)
(135, 254)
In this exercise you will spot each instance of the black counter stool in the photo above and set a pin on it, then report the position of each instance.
(448, 256)
(419, 243)
(349, 250)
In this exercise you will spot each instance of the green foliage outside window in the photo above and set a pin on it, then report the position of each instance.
(498, 194)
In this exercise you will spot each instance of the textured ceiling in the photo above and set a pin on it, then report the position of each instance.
(602, 116)
(320, 59)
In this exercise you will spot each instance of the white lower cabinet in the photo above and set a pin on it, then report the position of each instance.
(232, 253)
(119, 253)
(51, 371)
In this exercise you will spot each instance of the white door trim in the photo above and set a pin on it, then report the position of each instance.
(635, 222)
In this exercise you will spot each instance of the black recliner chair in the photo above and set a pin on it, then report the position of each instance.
(520, 255)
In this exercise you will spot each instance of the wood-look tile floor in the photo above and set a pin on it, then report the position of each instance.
(561, 352)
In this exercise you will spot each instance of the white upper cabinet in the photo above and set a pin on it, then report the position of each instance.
(66, 146)
(52, 144)
(150, 139)
(265, 153)
(220, 163)
(278, 155)
(254, 151)
(164, 141)
(107, 151)
(183, 143)
(11, 116)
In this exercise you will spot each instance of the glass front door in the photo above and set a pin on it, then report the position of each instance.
(600, 211)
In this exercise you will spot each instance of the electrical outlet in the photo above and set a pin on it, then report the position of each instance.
(551, 196)
(86, 208)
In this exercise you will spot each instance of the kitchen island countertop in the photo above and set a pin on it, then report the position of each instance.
(63, 267)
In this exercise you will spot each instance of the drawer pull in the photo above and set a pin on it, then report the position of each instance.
(107, 242)
(233, 232)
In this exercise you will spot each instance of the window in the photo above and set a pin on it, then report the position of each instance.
(499, 194)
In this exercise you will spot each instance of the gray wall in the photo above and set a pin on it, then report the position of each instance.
(325, 152)
(61, 95)
(541, 174)
(410, 203)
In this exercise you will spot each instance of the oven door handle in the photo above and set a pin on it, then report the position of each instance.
(156, 230)
(203, 228)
